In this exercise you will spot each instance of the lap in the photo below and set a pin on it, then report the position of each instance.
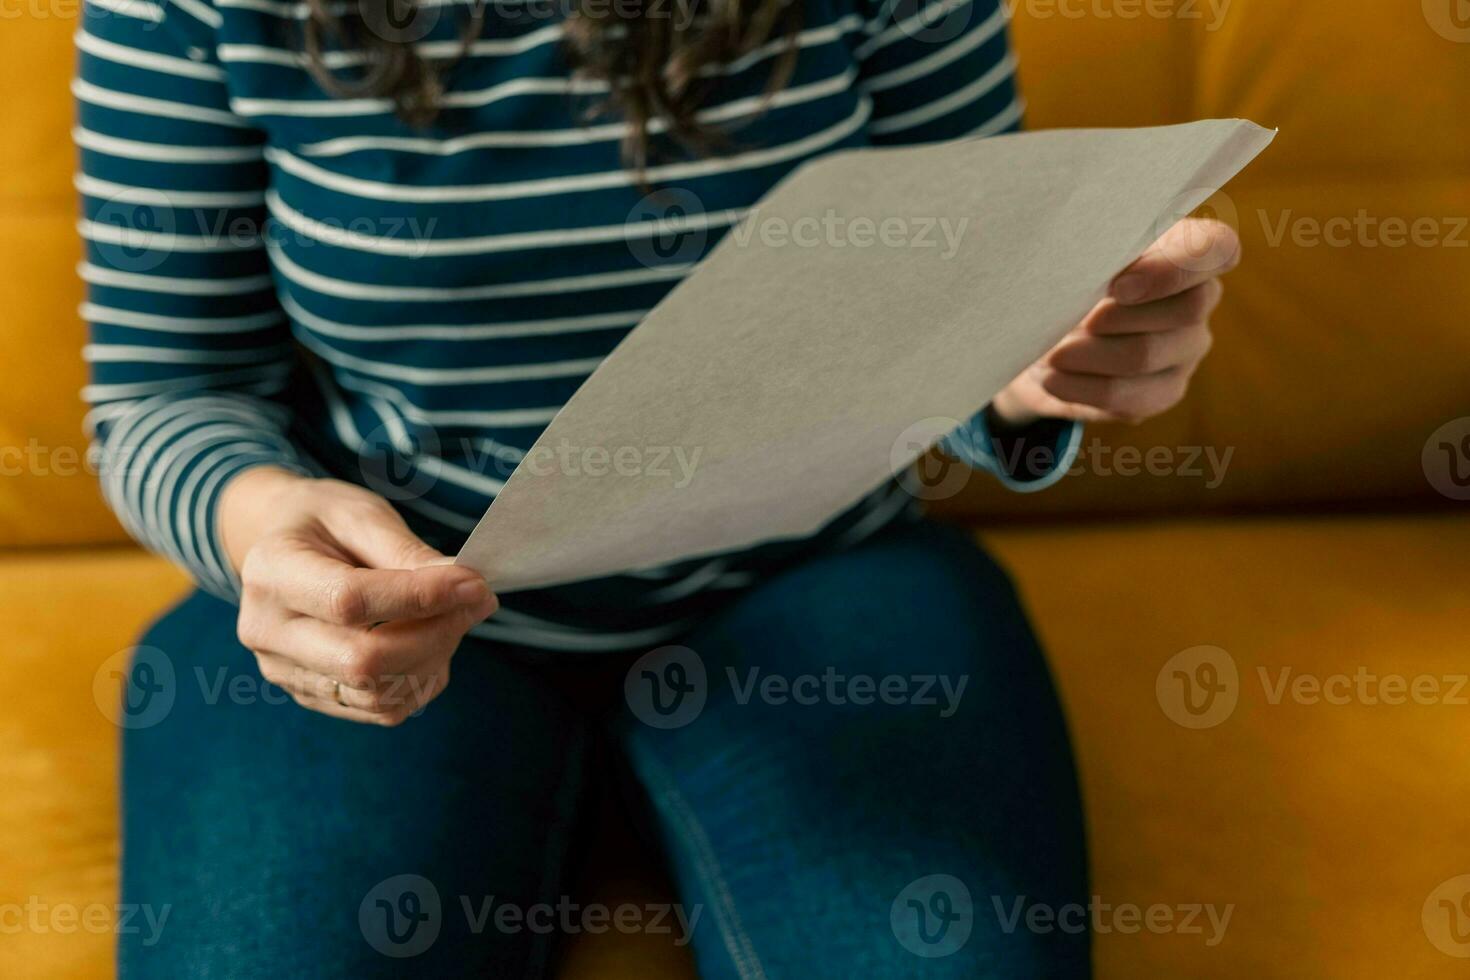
(285, 843)
(867, 738)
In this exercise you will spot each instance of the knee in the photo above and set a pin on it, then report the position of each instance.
(921, 623)
(198, 621)
(922, 600)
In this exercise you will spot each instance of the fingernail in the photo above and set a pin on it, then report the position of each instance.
(471, 592)
(1130, 288)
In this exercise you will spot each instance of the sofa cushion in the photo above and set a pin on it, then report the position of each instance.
(68, 616)
(74, 617)
(1325, 827)
(1340, 346)
(1323, 791)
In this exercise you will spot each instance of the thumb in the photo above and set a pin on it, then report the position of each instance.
(379, 537)
(384, 541)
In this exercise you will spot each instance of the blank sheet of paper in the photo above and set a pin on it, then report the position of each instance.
(786, 366)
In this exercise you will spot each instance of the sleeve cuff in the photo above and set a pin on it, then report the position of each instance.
(213, 569)
(165, 473)
(1026, 460)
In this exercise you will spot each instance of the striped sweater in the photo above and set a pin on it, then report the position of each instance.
(277, 276)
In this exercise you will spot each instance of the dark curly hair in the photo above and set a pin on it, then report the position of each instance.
(653, 55)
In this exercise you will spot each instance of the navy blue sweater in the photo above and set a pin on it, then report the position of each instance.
(277, 276)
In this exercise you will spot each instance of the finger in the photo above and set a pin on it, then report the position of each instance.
(1135, 354)
(1193, 305)
(408, 694)
(326, 706)
(370, 659)
(298, 680)
(1193, 251)
(301, 578)
(1123, 399)
(1047, 405)
(379, 537)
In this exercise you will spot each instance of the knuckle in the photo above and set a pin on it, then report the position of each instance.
(1143, 355)
(1202, 300)
(1206, 341)
(388, 696)
(1054, 382)
(258, 568)
(393, 718)
(251, 571)
(423, 596)
(1216, 289)
(363, 666)
(345, 603)
(250, 629)
(373, 702)
(1111, 393)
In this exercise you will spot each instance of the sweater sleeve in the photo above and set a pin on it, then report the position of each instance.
(189, 352)
(941, 70)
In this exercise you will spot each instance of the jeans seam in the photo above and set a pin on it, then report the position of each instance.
(706, 867)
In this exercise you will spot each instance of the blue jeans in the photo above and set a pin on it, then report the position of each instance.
(858, 768)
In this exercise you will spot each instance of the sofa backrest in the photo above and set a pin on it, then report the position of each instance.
(47, 494)
(1342, 346)
(1343, 343)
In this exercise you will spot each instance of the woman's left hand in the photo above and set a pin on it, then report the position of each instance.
(1132, 356)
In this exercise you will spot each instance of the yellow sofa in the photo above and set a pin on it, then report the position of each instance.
(1322, 795)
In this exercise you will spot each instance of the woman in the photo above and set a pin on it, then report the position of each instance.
(380, 246)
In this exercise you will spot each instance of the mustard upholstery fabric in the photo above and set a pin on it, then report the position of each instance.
(70, 616)
(1333, 364)
(1327, 821)
(1327, 826)
(1336, 357)
(47, 496)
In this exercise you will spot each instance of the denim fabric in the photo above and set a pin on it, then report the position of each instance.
(857, 769)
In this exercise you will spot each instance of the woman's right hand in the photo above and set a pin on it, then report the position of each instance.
(343, 606)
